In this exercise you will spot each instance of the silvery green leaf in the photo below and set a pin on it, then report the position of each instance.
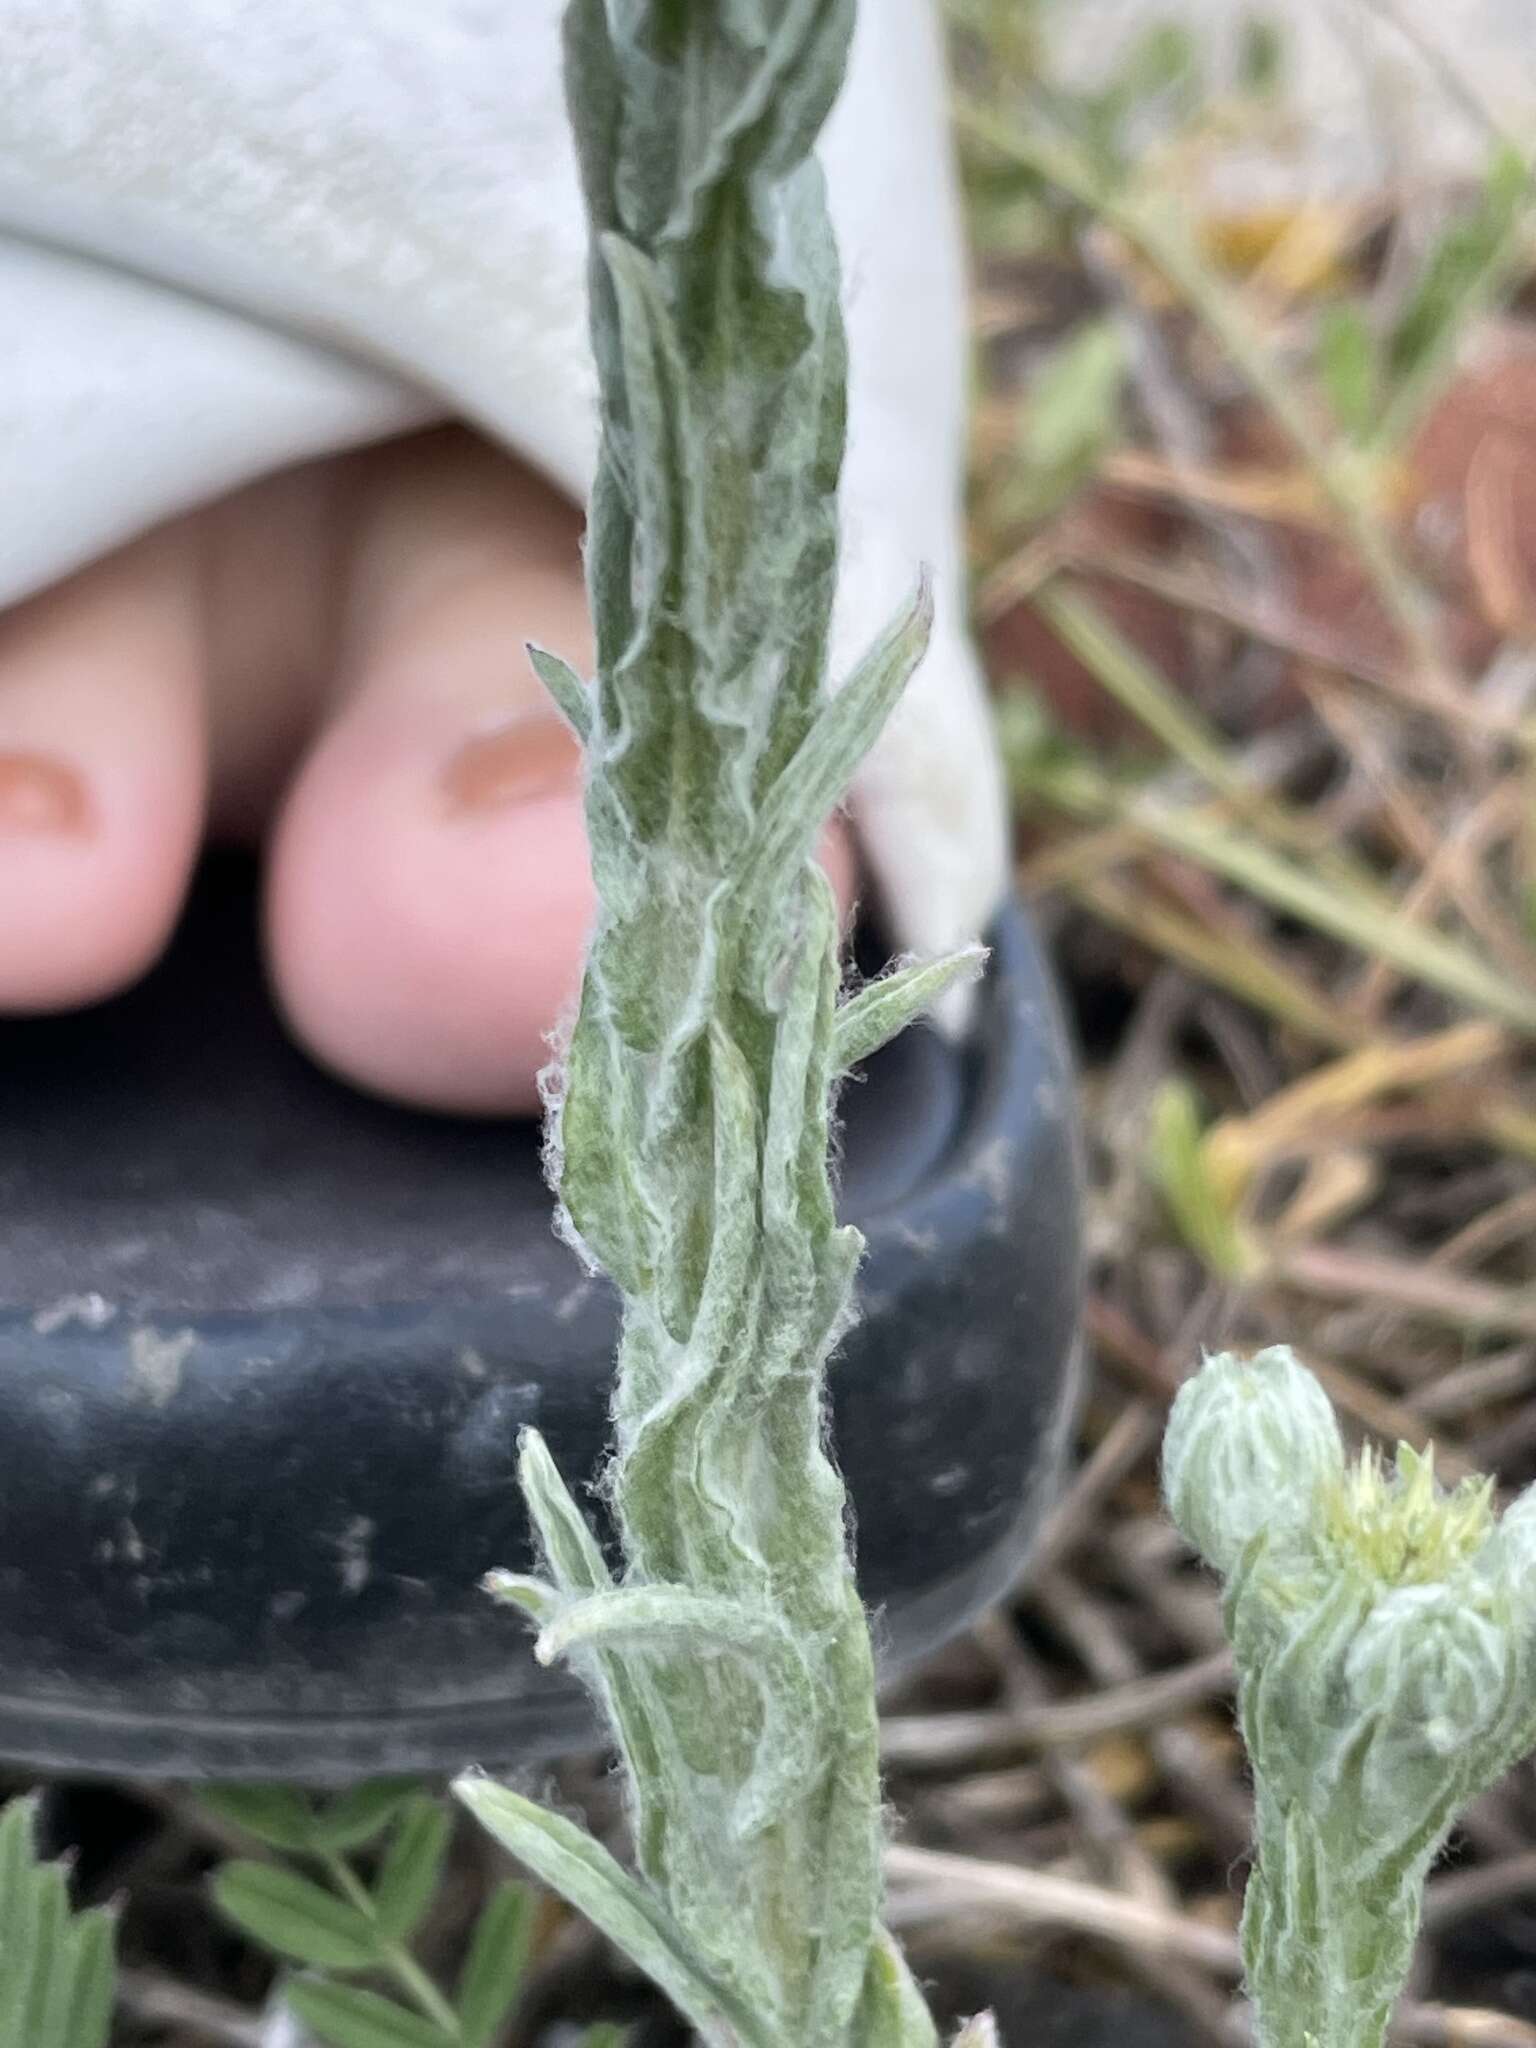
(56, 1966)
(45, 2007)
(573, 1555)
(799, 1245)
(638, 1612)
(823, 765)
(655, 379)
(536, 1597)
(886, 1007)
(601, 1188)
(847, 1878)
(647, 1616)
(980, 2032)
(800, 50)
(581, 1870)
(732, 91)
(568, 1543)
(892, 2012)
(565, 687)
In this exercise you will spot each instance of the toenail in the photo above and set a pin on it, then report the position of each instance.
(40, 794)
(518, 763)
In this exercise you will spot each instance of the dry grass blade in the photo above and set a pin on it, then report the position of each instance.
(159, 2001)
(992, 1738)
(1040, 1899)
(1406, 1288)
(1156, 233)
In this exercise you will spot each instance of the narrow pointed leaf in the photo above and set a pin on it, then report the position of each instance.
(572, 1553)
(641, 1612)
(845, 730)
(570, 693)
(882, 1011)
(496, 1964)
(536, 1597)
(654, 381)
(285, 1912)
(569, 1545)
(412, 1865)
(891, 2012)
(1205, 1217)
(587, 1877)
(345, 2016)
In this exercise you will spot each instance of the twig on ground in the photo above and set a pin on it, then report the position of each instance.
(1039, 1898)
(995, 1736)
(161, 2001)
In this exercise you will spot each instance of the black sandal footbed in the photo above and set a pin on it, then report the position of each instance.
(265, 1348)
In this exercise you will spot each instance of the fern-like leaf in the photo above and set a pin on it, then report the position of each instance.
(57, 1970)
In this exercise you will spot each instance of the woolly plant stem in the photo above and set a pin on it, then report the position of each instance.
(690, 1118)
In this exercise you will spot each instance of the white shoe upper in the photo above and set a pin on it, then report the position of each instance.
(234, 235)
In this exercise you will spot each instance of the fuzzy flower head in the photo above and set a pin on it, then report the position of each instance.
(1251, 1446)
(1438, 1661)
(1384, 1631)
(1445, 1637)
(1396, 1523)
(1384, 1614)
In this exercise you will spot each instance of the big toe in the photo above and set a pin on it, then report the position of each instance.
(102, 774)
(429, 892)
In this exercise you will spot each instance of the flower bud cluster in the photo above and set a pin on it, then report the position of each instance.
(1384, 1628)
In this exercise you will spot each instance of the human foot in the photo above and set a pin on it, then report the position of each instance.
(332, 658)
(344, 261)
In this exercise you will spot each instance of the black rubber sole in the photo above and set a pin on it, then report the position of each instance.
(265, 1348)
